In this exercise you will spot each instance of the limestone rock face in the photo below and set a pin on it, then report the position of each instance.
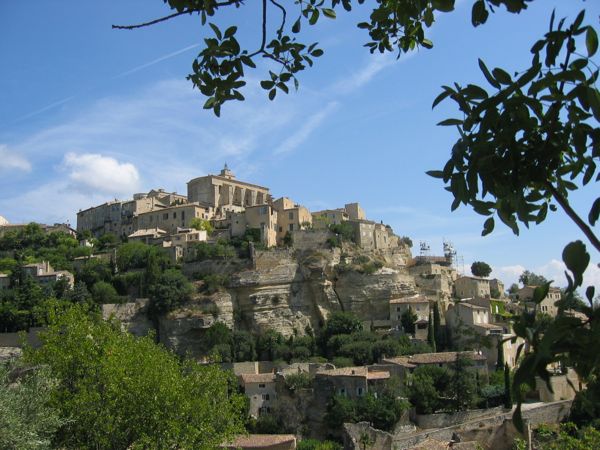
(182, 330)
(368, 295)
(133, 316)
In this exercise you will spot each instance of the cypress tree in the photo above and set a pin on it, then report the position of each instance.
(437, 328)
(431, 334)
(507, 396)
(500, 357)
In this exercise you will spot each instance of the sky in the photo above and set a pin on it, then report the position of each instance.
(89, 114)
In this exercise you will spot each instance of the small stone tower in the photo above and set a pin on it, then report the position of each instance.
(226, 173)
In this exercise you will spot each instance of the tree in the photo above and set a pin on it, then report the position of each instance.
(408, 319)
(480, 269)
(507, 392)
(440, 334)
(500, 354)
(202, 225)
(431, 333)
(463, 383)
(27, 420)
(119, 391)
(103, 292)
(171, 290)
(528, 278)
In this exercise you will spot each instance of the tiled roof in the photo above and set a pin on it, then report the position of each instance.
(378, 375)
(258, 377)
(344, 372)
(261, 441)
(431, 358)
(472, 306)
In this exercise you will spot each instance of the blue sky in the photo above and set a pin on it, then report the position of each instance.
(88, 114)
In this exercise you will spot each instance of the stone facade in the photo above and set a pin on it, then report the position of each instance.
(224, 193)
(44, 274)
(351, 382)
(290, 217)
(260, 390)
(466, 287)
(547, 305)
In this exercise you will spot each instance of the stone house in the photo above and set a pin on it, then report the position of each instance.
(260, 217)
(401, 365)
(467, 287)
(290, 217)
(351, 382)
(354, 211)
(173, 217)
(419, 306)
(44, 274)
(147, 236)
(322, 219)
(434, 280)
(263, 441)
(546, 306)
(364, 233)
(497, 287)
(261, 391)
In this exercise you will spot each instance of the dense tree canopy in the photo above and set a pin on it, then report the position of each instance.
(481, 269)
(119, 391)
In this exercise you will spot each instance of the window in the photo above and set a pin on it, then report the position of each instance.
(291, 227)
(265, 397)
(291, 215)
(174, 215)
(342, 391)
(359, 391)
(261, 385)
(264, 210)
(182, 215)
(166, 216)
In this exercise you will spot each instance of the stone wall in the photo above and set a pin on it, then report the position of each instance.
(132, 315)
(441, 420)
(14, 339)
(492, 431)
(310, 239)
(564, 387)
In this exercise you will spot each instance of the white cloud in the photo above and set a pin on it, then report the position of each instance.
(91, 172)
(9, 160)
(297, 138)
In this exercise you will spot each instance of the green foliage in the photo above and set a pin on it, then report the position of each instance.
(528, 278)
(219, 70)
(202, 251)
(103, 292)
(288, 239)
(508, 403)
(119, 391)
(202, 225)
(406, 241)
(295, 381)
(27, 420)
(408, 320)
(214, 282)
(137, 255)
(342, 361)
(344, 231)
(313, 444)
(382, 411)
(171, 290)
(481, 269)
(568, 436)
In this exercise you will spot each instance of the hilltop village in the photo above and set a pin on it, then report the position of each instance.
(314, 312)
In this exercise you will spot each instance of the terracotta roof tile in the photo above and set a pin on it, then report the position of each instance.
(431, 358)
(257, 377)
(261, 441)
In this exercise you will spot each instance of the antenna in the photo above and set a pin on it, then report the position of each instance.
(450, 253)
(424, 249)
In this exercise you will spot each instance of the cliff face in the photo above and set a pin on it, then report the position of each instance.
(288, 290)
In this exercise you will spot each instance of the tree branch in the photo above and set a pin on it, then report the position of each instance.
(152, 22)
(163, 19)
(264, 30)
(283, 14)
(573, 215)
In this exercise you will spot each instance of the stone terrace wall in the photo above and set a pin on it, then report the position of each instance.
(310, 239)
(14, 339)
(427, 421)
(494, 431)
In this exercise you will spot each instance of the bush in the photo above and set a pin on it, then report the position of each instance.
(295, 381)
(214, 282)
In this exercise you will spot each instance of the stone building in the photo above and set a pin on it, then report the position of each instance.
(400, 365)
(224, 192)
(259, 217)
(466, 287)
(419, 306)
(290, 217)
(261, 391)
(547, 305)
(434, 280)
(364, 233)
(172, 218)
(326, 217)
(44, 274)
(350, 382)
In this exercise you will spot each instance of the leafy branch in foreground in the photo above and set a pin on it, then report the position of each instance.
(527, 143)
(219, 69)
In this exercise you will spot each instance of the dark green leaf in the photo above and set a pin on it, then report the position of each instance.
(576, 258)
(266, 84)
(502, 76)
(216, 30)
(296, 26)
(441, 97)
(272, 94)
(443, 5)
(230, 31)
(328, 12)
(435, 173)
(449, 122)
(317, 52)
(488, 226)
(594, 212)
(591, 41)
(540, 293)
(479, 13)
(427, 43)
(488, 76)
